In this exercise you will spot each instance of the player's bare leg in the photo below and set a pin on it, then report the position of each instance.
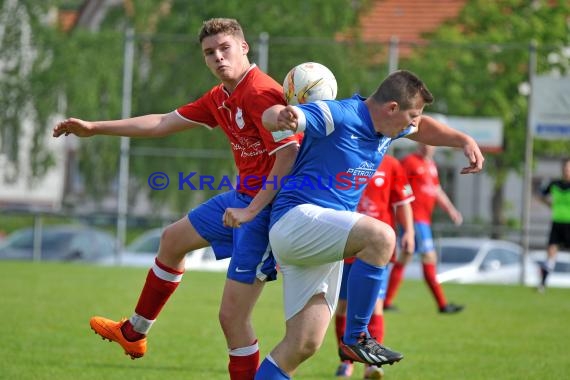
(236, 308)
(304, 334)
(161, 282)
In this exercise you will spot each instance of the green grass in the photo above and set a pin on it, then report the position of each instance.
(505, 332)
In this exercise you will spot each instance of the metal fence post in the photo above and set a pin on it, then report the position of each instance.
(38, 227)
(393, 56)
(527, 178)
(263, 52)
(123, 188)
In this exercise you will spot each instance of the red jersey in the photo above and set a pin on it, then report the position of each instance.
(387, 189)
(423, 176)
(239, 115)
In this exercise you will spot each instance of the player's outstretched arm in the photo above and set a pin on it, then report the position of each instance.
(155, 125)
(433, 132)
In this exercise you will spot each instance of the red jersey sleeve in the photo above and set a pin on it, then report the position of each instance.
(200, 110)
(258, 100)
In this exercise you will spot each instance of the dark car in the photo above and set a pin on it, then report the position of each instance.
(59, 243)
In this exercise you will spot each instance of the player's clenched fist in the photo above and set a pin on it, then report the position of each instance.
(287, 119)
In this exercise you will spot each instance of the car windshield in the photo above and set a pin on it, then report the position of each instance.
(562, 267)
(457, 255)
(50, 239)
(146, 244)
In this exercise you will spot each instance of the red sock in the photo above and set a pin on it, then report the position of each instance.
(129, 333)
(244, 367)
(435, 287)
(376, 327)
(339, 325)
(161, 282)
(396, 276)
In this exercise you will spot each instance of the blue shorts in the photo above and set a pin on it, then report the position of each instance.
(343, 285)
(248, 245)
(424, 238)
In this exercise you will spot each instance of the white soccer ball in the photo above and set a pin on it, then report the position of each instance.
(308, 82)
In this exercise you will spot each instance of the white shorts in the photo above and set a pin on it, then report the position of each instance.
(308, 243)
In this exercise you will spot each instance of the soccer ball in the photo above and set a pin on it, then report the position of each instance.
(308, 82)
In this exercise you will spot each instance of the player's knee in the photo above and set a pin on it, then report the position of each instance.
(229, 320)
(308, 347)
(382, 241)
(170, 247)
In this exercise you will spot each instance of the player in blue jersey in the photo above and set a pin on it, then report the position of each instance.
(313, 223)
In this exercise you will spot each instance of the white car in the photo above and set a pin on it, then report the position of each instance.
(478, 260)
(142, 252)
(560, 277)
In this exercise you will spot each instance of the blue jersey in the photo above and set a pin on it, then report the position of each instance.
(339, 154)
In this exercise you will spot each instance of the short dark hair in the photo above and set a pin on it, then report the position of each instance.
(402, 86)
(215, 26)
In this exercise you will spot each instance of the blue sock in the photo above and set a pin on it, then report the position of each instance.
(364, 281)
(268, 370)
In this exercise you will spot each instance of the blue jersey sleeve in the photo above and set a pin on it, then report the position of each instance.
(321, 117)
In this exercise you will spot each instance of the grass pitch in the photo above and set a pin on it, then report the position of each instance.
(505, 332)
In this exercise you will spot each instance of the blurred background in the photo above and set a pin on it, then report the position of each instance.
(108, 59)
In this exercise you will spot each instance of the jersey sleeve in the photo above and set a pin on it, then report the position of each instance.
(199, 111)
(259, 102)
(319, 121)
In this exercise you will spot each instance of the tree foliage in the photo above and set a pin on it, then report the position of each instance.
(475, 66)
(478, 63)
(22, 57)
(80, 74)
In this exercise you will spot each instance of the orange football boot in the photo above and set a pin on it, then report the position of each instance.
(111, 331)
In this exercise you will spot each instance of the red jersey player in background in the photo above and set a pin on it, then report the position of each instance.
(236, 106)
(423, 176)
(387, 197)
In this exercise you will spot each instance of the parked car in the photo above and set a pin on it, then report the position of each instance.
(142, 251)
(478, 260)
(59, 243)
(560, 277)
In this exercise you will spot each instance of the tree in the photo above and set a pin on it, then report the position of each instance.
(85, 69)
(21, 58)
(45, 72)
(478, 63)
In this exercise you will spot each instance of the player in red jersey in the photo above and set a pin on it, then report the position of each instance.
(423, 176)
(387, 197)
(236, 106)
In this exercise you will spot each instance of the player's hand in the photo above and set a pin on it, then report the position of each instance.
(235, 217)
(474, 156)
(456, 217)
(407, 241)
(74, 126)
(287, 119)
